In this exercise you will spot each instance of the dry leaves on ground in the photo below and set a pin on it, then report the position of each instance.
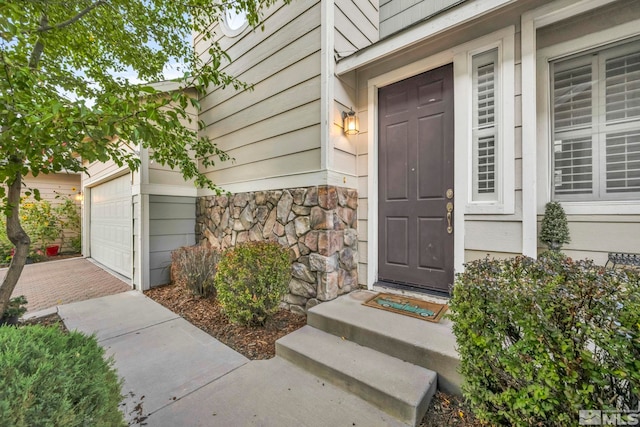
(447, 410)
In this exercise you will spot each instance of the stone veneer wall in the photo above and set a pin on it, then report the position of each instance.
(317, 224)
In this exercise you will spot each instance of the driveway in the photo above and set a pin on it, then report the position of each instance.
(52, 283)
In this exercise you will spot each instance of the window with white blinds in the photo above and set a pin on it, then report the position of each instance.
(596, 125)
(484, 132)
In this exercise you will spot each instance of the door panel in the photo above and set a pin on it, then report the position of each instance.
(398, 232)
(430, 151)
(396, 161)
(415, 171)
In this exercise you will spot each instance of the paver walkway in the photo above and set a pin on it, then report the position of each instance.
(52, 283)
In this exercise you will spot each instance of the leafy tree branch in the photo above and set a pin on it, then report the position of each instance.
(64, 102)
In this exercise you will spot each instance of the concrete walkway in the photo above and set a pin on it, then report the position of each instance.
(177, 375)
(52, 283)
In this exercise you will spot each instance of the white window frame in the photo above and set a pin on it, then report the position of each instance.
(460, 57)
(224, 26)
(487, 130)
(544, 167)
(503, 200)
(599, 128)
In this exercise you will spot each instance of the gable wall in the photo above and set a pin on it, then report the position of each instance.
(272, 131)
(355, 27)
(398, 14)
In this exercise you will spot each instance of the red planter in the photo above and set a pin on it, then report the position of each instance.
(52, 250)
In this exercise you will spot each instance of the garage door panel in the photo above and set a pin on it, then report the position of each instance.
(111, 225)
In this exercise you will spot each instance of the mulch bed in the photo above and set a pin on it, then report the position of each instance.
(446, 410)
(253, 342)
(52, 320)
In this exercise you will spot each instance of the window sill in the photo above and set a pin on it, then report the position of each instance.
(618, 207)
(487, 209)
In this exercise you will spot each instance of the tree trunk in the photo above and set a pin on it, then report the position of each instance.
(19, 238)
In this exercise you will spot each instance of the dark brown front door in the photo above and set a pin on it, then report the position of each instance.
(415, 189)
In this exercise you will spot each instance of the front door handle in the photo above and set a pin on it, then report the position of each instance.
(449, 210)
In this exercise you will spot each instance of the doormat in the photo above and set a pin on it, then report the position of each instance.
(413, 307)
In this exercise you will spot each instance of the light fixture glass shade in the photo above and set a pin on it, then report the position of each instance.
(350, 123)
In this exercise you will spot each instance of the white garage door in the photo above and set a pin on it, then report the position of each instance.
(111, 238)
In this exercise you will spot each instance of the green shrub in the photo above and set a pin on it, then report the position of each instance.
(40, 221)
(540, 340)
(554, 229)
(67, 213)
(6, 246)
(15, 308)
(50, 378)
(252, 279)
(195, 266)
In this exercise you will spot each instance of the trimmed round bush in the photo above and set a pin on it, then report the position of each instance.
(51, 378)
(252, 279)
(540, 340)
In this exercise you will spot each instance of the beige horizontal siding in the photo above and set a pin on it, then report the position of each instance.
(98, 171)
(398, 14)
(288, 121)
(54, 188)
(278, 146)
(593, 236)
(273, 130)
(268, 107)
(600, 19)
(267, 54)
(279, 79)
(493, 236)
(356, 25)
(277, 167)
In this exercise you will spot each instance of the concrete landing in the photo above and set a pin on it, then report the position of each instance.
(426, 344)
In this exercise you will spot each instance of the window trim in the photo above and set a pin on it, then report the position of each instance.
(599, 128)
(224, 26)
(479, 132)
(504, 42)
(599, 40)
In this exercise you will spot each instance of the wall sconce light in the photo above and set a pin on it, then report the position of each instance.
(78, 197)
(350, 123)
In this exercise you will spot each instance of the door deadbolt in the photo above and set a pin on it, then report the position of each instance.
(450, 193)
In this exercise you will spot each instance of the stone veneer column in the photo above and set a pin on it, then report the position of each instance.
(317, 224)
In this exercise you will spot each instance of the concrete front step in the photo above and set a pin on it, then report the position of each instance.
(401, 389)
(426, 344)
